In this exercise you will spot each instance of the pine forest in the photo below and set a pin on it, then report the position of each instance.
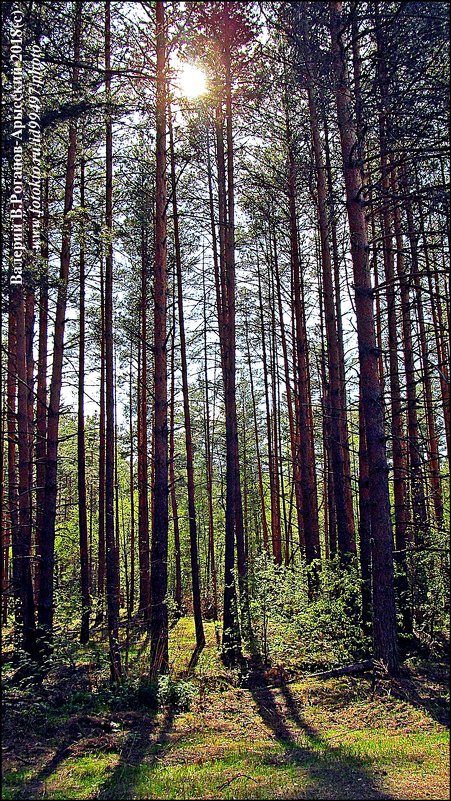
(225, 400)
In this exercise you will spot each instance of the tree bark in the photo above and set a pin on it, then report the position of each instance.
(81, 450)
(47, 535)
(159, 555)
(200, 636)
(143, 476)
(112, 555)
(384, 615)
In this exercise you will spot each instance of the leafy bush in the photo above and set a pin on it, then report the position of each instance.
(307, 633)
(177, 694)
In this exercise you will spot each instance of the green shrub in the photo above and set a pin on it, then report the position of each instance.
(305, 632)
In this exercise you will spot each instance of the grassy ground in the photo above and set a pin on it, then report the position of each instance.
(333, 739)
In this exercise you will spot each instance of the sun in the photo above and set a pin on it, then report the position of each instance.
(192, 81)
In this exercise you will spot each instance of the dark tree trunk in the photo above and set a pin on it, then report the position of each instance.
(420, 517)
(81, 450)
(211, 561)
(132, 491)
(384, 614)
(200, 637)
(364, 522)
(47, 534)
(309, 494)
(338, 433)
(178, 597)
(41, 397)
(112, 556)
(275, 517)
(101, 540)
(159, 556)
(257, 445)
(143, 476)
(20, 486)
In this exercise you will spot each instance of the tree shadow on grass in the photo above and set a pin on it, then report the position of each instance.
(35, 786)
(426, 690)
(333, 772)
(140, 746)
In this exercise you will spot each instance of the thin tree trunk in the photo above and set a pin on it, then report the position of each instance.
(102, 441)
(112, 561)
(277, 534)
(420, 518)
(211, 562)
(178, 599)
(143, 476)
(257, 445)
(132, 491)
(397, 429)
(81, 450)
(159, 574)
(338, 430)
(364, 521)
(274, 521)
(291, 421)
(41, 399)
(309, 496)
(200, 637)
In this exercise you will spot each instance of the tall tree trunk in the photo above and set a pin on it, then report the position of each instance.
(364, 521)
(81, 450)
(41, 398)
(291, 421)
(102, 442)
(420, 518)
(200, 637)
(4, 521)
(275, 521)
(178, 598)
(20, 489)
(112, 560)
(11, 401)
(384, 614)
(159, 574)
(309, 494)
(47, 535)
(132, 491)
(231, 640)
(257, 445)
(277, 533)
(338, 430)
(433, 449)
(143, 476)
(397, 429)
(211, 560)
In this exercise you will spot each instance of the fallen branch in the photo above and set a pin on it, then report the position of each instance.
(238, 776)
(347, 670)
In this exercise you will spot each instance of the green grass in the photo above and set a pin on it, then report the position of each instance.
(311, 739)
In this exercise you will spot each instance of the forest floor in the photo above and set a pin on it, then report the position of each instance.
(342, 738)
